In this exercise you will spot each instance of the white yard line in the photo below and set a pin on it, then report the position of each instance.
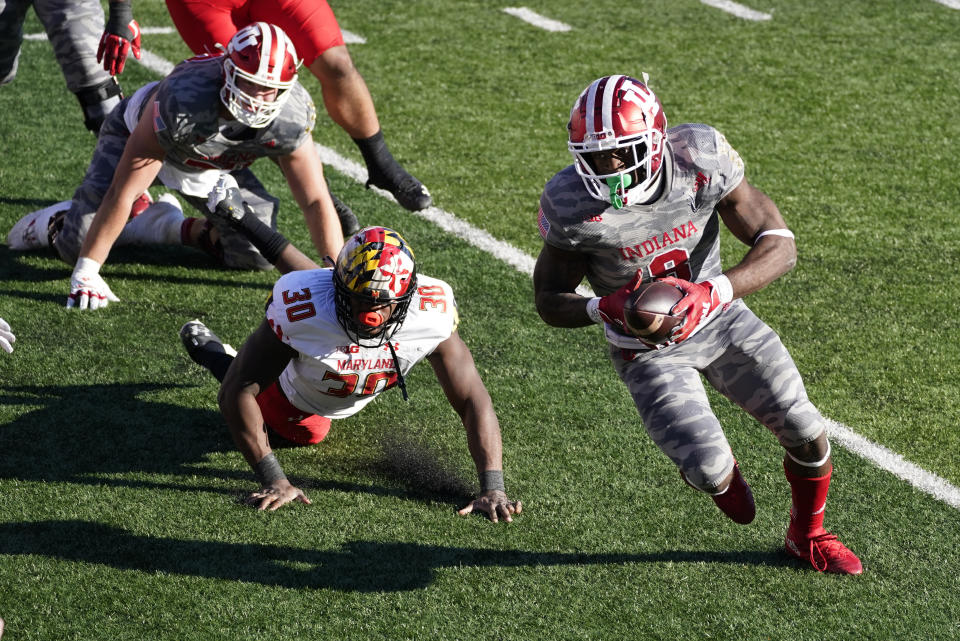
(351, 38)
(444, 220)
(880, 456)
(534, 18)
(952, 4)
(154, 63)
(144, 31)
(892, 462)
(737, 9)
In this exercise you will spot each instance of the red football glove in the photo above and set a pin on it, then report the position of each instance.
(701, 302)
(122, 34)
(611, 305)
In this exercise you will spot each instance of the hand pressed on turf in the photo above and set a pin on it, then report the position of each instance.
(495, 504)
(272, 496)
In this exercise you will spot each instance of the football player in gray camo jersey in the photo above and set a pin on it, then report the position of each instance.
(644, 202)
(212, 115)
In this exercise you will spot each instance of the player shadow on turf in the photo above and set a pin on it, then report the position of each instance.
(84, 434)
(356, 566)
(77, 436)
(27, 204)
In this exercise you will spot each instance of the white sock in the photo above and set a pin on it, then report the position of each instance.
(159, 224)
(30, 232)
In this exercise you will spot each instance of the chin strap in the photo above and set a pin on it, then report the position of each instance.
(396, 365)
(618, 187)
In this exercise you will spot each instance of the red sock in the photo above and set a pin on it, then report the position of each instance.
(185, 227)
(214, 249)
(809, 499)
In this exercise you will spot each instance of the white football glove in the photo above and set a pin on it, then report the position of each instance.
(6, 336)
(88, 290)
(225, 200)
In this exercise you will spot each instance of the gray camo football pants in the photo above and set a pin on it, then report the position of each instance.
(238, 252)
(743, 359)
(74, 28)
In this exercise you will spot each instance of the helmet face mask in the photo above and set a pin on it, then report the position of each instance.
(617, 135)
(374, 280)
(259, 58)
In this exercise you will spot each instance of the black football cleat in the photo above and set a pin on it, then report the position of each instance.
(409, 192)
(197, 339)
(348, 220)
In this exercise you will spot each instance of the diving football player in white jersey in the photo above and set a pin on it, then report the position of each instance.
(644, 202)
(332, 341)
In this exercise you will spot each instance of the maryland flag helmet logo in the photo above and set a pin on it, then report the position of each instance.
(375, 267)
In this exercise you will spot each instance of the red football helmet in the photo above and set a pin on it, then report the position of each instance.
(618, 119)
(263, 55)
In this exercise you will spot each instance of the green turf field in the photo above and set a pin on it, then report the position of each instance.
(118, 479)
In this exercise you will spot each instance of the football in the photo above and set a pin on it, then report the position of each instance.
(647, 311)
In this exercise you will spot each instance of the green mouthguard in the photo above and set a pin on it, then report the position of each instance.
(618, 185)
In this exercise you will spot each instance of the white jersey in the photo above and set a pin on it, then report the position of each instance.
(332, 376)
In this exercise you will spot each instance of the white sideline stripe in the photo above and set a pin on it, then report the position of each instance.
(880, 456)
(154, 63)
(534, 18)
(952, 4)
(446, 221)
(351, 38)
(145, 31)
(892, 462)
(737, 10)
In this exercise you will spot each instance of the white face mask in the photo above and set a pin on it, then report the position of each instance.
(257, 60)
(255, 110)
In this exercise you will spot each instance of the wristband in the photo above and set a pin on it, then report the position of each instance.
(491, 480)
(121, 13)
(593, 310)
(786, 233)
(268, 470)
(721, 284)
(85, 264)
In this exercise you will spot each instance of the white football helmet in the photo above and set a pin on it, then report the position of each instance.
(620, 117)
(260, 54)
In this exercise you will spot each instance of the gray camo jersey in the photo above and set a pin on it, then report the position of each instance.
(676, 235)
(186, 119)
(185, 108)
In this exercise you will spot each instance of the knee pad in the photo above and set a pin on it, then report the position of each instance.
(706, 475)
(98, 101)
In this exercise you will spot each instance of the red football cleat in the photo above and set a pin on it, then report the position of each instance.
(140, 204)
(824, 551)
(737, 501)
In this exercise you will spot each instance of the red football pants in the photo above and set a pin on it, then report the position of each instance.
(204, 23)
(288, 421)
